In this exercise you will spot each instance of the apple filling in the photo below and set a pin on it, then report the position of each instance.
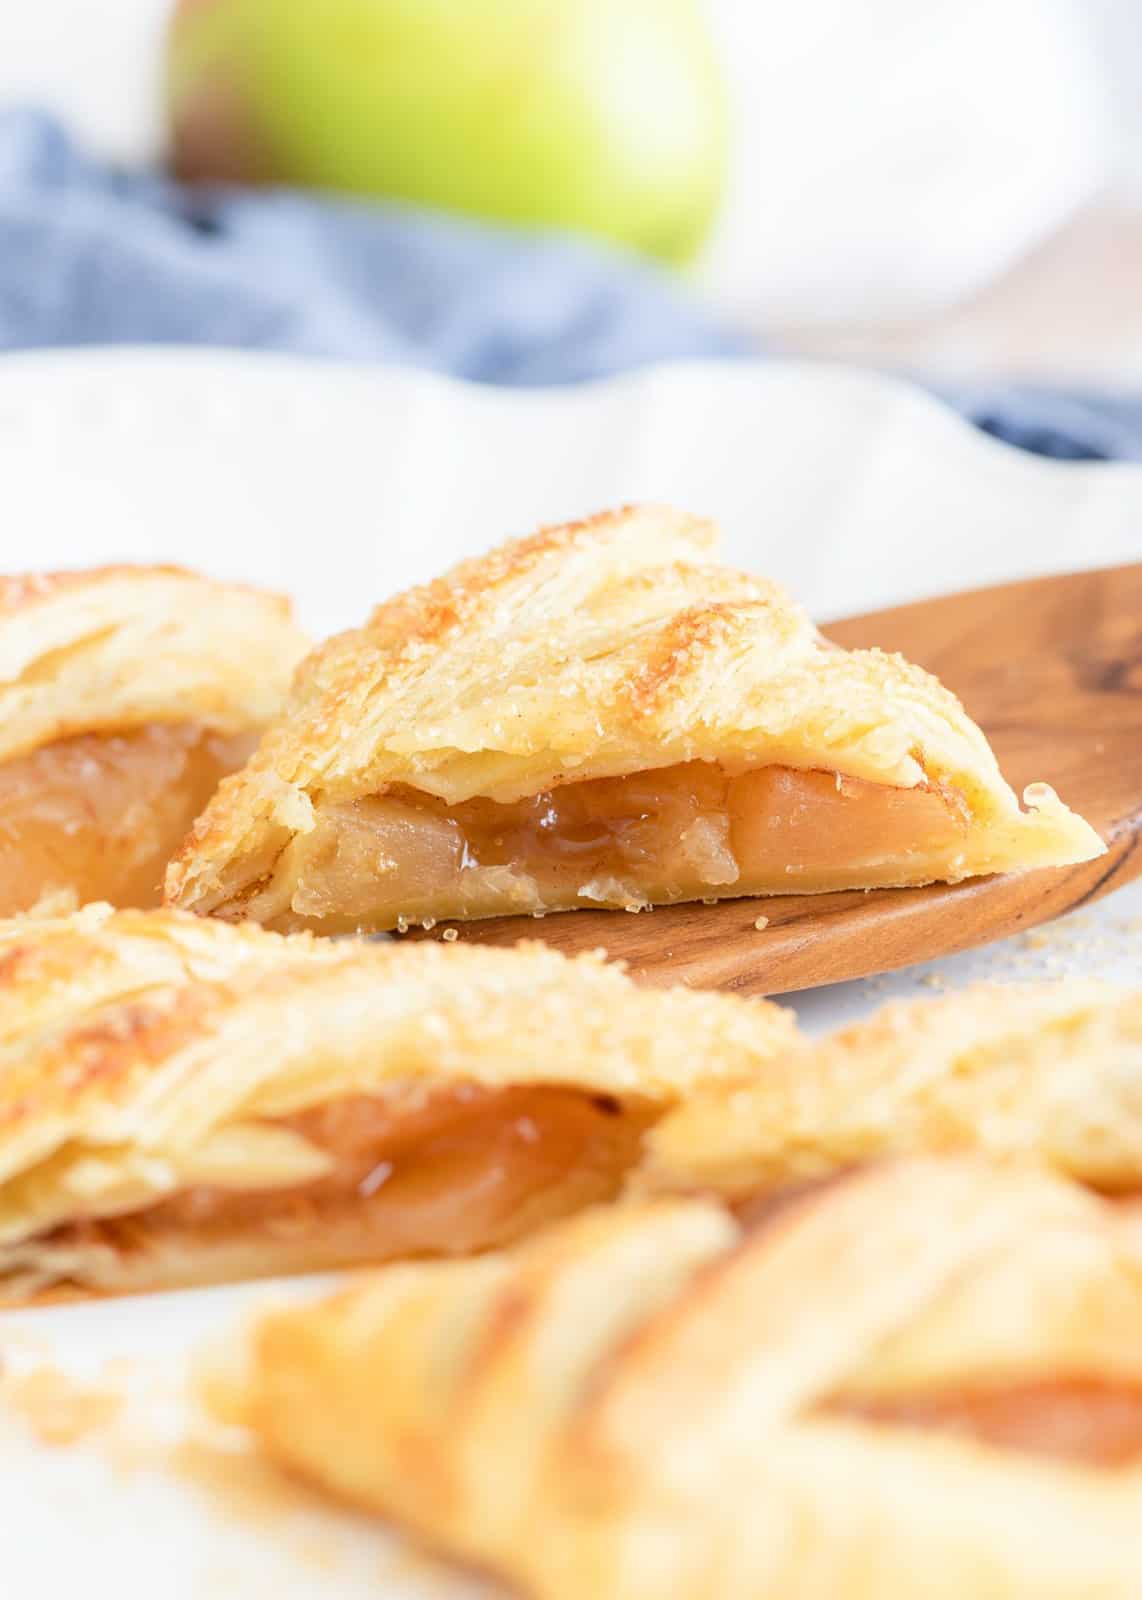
(686, 832)
(1089, 1421)
(101, 814)
(458, 1170)
(1085, 1420)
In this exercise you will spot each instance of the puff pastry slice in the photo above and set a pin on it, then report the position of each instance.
(182, 1101)
(925, 1380)
(601, 715)
(126, 694)
(1050, 1072)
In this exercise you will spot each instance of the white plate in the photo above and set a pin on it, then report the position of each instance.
(343, 485)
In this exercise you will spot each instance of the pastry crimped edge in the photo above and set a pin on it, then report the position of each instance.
(653, 1400)
(113, 648)
(1048, 1071)
(597, 649)
(144, 1053)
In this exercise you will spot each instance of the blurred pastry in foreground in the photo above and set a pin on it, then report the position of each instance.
(126, 694)
(1050, 1072)
(182, 1101)
(924, 1380)
(604, 716)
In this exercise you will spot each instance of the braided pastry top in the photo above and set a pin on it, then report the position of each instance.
(925, 1379)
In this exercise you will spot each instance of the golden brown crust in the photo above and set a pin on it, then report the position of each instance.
(115, 648)
(646, 1401)
(603, 648)
(25, 589)
(145, 1054)
(1050, 1072)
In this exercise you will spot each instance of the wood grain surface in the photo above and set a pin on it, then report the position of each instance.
(1052, 670)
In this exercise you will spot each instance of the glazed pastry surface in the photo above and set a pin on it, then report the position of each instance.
(926, 1379)
(601, 715)
(183, 1101)
(126, 695)
(1050, 1072)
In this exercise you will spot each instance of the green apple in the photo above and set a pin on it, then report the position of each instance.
(604, 116)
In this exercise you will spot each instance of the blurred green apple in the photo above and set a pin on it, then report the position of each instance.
(604, 116)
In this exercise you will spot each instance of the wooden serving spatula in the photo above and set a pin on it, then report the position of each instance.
(1051, 669)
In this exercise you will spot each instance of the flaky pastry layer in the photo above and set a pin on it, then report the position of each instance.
(1050, 1072)
(596, 650)
(115, 648)
(652, 1400)
(182, 1100)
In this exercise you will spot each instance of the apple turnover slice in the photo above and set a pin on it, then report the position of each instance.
(1048, 1072)
(126, 695)
(924, 1380)
(600, 715)
(182, 1101)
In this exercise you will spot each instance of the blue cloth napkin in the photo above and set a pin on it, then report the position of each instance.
(93, 255)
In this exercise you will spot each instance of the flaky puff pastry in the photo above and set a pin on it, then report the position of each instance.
(1050, 1072)
(182, 1101)
(117, 647)
(126, 694)
(602, 715)
(924, 1380)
